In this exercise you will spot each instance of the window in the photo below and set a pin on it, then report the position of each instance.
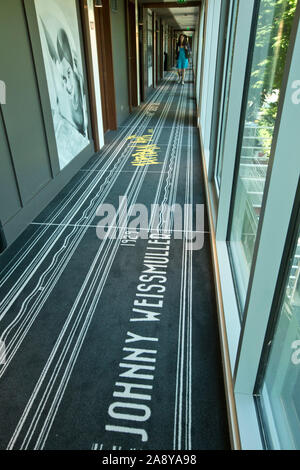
(200, 51)
(279, 398)
(226, 68)
(266, 67)
(150, 48)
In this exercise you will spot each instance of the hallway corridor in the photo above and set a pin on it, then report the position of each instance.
(106, 348)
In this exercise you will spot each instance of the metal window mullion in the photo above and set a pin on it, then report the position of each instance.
(206, 64)
(209, 91)
(220, 84)
(199, 71)
(243, 30)
(239, 61)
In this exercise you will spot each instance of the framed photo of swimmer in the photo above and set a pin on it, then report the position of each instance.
(60, 40)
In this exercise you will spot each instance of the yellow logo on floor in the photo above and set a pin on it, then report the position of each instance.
(146, 153)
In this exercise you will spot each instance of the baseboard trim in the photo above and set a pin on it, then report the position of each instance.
(229, 388)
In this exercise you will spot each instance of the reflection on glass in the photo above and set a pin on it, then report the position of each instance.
(268, 63)
(225, 89)
(280, 394)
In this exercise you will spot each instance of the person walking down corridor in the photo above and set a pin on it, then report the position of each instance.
(182, 56)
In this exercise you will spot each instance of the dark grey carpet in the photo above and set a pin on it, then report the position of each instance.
(93, 361)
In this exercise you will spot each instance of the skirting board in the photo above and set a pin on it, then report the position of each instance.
(229, 388)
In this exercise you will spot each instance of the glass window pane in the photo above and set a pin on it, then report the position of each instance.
(231, 29)
(280, 394)
(275, 18)
(200, 50)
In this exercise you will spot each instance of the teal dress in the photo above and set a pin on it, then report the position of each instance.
(182, 62)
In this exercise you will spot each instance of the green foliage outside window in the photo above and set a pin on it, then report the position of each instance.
(268, 72)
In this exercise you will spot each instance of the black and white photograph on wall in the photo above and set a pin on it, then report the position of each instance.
(59, 34)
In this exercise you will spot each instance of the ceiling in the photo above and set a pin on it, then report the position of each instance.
(180, 18)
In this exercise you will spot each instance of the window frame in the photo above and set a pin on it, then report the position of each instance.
(222, 86)
(229, 321)
(242, 342)
(262, 289)
(277, 305)
(212, 19)
(236, 92)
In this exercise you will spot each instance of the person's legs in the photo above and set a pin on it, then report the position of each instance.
(184, 67)
(179, 70)
(183, 71)
(179, 74)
